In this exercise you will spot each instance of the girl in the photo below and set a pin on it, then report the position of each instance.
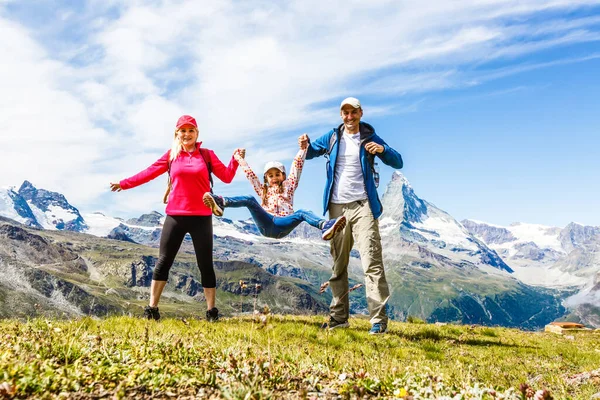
(189, 179)
(275, 216)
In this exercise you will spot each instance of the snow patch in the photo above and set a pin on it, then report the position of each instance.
(7, 207)
(99, 224)
(543, 236)
(58, 213)
(225, 230)
(40, 216)
(485, 223)
(449, 230)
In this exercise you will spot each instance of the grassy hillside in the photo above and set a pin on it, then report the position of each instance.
(287, 357)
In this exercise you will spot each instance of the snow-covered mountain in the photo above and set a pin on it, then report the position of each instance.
(422, 224)
(13, 206)
(50, 209)
(567, 258)
(544, 255)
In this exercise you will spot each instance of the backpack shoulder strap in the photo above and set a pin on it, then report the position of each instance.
(333, 140)
(206, 157)
(169, 161)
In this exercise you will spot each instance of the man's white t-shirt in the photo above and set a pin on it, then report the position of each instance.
(348, 183)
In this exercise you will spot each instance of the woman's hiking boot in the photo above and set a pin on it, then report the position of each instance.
(212, 315)
(151, 313)
(332, 227)
(215, 203)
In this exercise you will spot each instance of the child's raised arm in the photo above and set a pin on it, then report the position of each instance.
(296, 169)
(254, 181)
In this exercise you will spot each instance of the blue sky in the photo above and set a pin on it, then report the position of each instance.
(493, 104)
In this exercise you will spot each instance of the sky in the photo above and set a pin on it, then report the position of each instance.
(493, 104)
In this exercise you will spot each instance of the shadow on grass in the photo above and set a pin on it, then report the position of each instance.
(428, 334)
(357, 333)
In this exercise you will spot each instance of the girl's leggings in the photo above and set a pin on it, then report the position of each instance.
(173, 232)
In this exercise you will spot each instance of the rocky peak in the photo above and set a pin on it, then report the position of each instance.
(490, 234)
(51, 209)
(400, 201)
(152, 219)
(576, 236)
(14, 206)
(27, 190)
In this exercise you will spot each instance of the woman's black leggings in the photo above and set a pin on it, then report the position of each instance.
(173, 232)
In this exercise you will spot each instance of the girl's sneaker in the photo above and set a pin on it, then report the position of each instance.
(215, 203)
(332, 227)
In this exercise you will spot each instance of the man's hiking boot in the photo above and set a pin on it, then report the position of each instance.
(215, 203)
(378, 329)
(332, 227)
(212, 315)
(151, 313)
(333, 324)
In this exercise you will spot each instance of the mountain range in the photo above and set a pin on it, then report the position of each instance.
(438, 268)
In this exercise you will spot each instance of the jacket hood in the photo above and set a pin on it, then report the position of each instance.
(366, 130)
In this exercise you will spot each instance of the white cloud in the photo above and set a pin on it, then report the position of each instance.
(104, 105)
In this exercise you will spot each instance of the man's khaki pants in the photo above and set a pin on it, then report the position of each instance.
(362, 229)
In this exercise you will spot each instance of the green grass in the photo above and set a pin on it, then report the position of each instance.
(270, 356)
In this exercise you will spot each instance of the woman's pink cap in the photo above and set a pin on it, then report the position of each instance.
(186, 120)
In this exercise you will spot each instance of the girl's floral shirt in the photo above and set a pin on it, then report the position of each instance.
(277, 204)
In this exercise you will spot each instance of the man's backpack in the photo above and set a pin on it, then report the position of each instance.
(206, 157)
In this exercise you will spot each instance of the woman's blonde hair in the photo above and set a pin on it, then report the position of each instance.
(266, 188)
(176, 147)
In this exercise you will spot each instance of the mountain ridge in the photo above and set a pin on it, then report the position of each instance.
(436, 267)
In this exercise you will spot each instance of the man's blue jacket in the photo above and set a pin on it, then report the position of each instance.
(329, 144)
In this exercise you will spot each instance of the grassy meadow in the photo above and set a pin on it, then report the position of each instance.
(270, 356)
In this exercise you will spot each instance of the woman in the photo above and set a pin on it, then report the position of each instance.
(190, 178)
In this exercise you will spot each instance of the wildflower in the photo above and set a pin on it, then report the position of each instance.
(263, 319)
(361, 374)
(7, 390)
(400, 393)
(324, 287)
(342, 376)
(243, 285)
(542, 395)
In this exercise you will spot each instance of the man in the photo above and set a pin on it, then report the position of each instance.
(351, 191)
